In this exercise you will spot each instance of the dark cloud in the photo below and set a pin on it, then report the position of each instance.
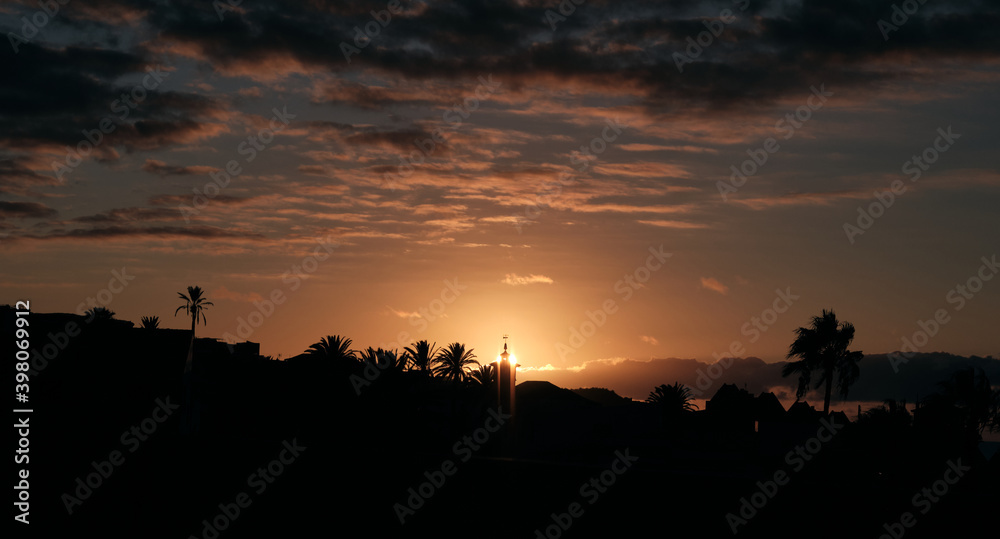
(164, 232)
(25, 210)
(400, 140)
(120, 215)
(772, 50)
(162, 169)
(175, 200)
(17, 177)
(64, 96)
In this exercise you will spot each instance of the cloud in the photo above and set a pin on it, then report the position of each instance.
(76, 89)
(18, 176)
(252, 91)
(162, 169)
(514, 279)
(176, 200)
(665, 223)
(637, 147)
(804, 199)
(25, 210)
(224, 293)
(121, 215)
(546, 367)
(649, 340)
(403, 314)
(711, 283)
(163, 232)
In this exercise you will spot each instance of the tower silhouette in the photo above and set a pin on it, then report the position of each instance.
(506, 375)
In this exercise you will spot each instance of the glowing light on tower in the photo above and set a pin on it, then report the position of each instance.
(506, 379)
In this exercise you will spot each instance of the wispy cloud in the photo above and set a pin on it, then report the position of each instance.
(713, 284)
(514, 279)
(546, 367)
(665, 223)
(402, 314)
(160, 168)
(224, 293)
(649, 340)
(659, 147)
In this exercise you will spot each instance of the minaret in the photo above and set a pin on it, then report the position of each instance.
(506, 374)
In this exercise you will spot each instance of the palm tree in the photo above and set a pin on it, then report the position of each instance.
(194, 306)
(384, 360)
(453, 362)
(150, 322)
(485, 375)
(823, 347)
(420, 355)
(334, 348)
(674, 399)
(969, 390)
(99, 314)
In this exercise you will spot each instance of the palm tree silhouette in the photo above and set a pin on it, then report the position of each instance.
(485, 375)
(453, 362)
(99, 314)
(674, 399)
(333, 348)
(150, 322)
(969, 391)
(384, 360)
(194, 306)
(823, 347)
(420, 355)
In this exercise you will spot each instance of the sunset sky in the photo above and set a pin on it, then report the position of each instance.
(557, 160)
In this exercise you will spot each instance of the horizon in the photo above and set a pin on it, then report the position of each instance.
(783, 388)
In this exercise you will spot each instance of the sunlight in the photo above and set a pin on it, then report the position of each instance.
(511, 357)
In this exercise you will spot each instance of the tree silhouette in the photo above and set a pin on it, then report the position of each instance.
(194, 305)
(891, 414)
(334, 349)
(674, 399)
(823, 347)
(453, 362)
(384, 360)
(99, 314)
(150, 322)
(969, 391)
(485, 375)
(420, 355)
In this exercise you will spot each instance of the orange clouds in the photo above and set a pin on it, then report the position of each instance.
(710, 283)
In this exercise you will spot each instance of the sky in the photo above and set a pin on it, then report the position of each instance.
(602, 182)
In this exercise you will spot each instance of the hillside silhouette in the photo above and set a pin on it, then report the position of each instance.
(368, 425)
